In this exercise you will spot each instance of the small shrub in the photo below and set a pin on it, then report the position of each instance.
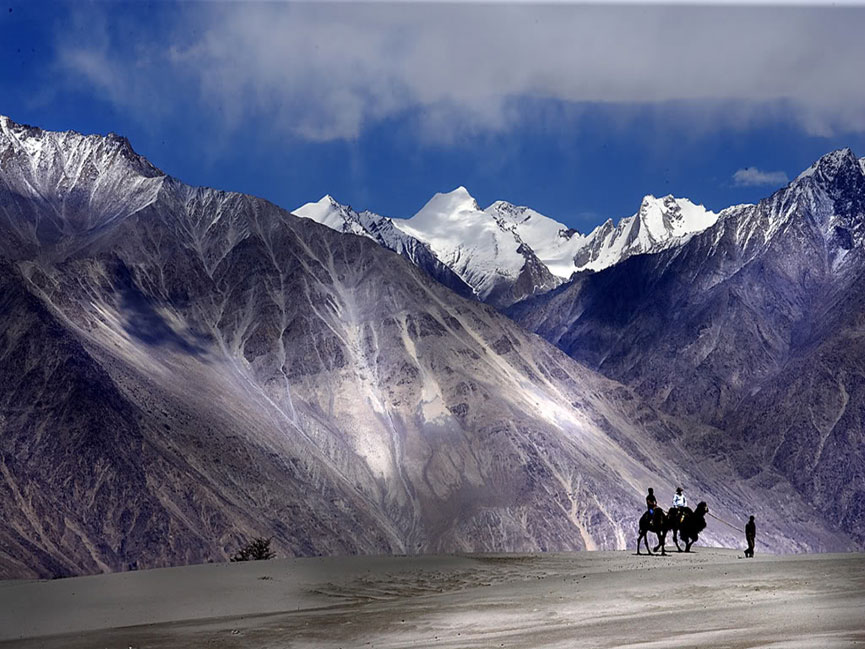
(256, 550)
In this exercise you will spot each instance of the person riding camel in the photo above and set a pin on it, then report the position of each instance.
(679, 504)
(651, 501)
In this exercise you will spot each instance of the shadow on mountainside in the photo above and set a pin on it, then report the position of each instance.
(143, 320)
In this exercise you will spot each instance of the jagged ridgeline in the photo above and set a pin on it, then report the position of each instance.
(182, 369)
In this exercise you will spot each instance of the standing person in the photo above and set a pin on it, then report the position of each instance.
(651, 501)
(750, 535)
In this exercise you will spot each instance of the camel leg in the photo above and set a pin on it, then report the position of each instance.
(662, 541)
(688, 546)
(643, 538)
(676, 540)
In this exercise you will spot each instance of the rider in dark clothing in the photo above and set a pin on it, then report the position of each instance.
(750, 536)
(651, 501)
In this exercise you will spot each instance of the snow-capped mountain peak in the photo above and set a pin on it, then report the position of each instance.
(836, 176)
(102, 172)
(827, 198)
(487, 252)
(334, 215)
(554, 243)
(831, 192)
(466, 239)
(65, 149)
(827, 167)
(659, 223)
(446, 206)
(668, 216)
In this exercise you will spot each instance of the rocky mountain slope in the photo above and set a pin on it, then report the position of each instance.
(183, 368)
(505, 252)
(753, 326)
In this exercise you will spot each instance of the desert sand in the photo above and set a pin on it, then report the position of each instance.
(710, 598)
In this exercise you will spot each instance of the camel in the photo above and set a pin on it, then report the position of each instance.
(687, 527)
(656, 524)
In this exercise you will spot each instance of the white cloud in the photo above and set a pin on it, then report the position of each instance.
(753, 177)
(324, 71)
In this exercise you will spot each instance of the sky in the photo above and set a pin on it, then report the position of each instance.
(577, 111)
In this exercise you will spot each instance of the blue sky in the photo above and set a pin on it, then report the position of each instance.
(576, 111)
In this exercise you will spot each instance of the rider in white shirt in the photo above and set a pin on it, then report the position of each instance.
(679, 499)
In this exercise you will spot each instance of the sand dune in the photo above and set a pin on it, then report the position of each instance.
(711, 598)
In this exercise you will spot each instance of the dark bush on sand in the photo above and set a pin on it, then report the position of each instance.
(255, 550)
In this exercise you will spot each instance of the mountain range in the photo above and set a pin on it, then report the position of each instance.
(506, 253)
(183, 368)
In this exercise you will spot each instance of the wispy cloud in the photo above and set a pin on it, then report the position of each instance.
(325, 71)
(753, 177)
